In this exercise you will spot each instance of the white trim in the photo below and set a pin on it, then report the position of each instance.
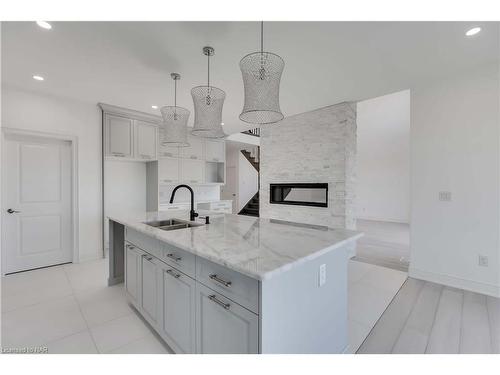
(455, 282)
(130, 113)
(74, 180)
(388, 220)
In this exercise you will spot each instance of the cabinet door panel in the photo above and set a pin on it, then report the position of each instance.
(168, 170)
(194, 150)
(145, 138)
(192, 171)
(214, 151)
(166, 150)
(229, 329)
(119, 133)
(132, 272)
(179, 296)
(149, 291)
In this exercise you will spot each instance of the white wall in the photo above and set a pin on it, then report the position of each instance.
(32, 111)
(383, 158)
(455, 148)
(124, 189)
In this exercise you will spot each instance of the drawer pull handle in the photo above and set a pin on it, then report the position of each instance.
(172, 256)
(213, 298)
(193, 157)
(221, 281)
(176, 275)
(130, 247)
(150, 258)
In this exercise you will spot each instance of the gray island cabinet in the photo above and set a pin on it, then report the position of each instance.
(237, 285)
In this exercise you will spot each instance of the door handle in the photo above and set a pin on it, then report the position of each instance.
(11, 211)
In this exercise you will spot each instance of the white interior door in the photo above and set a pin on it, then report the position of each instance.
(37, 202)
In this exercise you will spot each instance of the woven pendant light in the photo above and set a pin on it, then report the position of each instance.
(208, 101)
(261, 73)
(173, 130)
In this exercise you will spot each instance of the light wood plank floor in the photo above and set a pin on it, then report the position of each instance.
(425, 317)
(385, 244)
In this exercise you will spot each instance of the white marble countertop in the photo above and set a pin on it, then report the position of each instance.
(259, 248)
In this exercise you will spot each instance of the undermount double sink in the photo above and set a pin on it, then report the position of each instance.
(172, 224)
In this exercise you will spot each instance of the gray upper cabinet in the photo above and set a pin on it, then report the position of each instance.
(166, 150)
(149, 287)
(168, 170)
(222, 326)
(145, 140)
(119, 133)
(215, 151)
(194, 150)
(178, 310)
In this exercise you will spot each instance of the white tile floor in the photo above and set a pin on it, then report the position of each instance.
(70, 309)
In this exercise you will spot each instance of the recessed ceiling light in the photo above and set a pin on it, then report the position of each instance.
(38, 78)
(473, 31)
(44, 25)
(154, 106)
(222, 123)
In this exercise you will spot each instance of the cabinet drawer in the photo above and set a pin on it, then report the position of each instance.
(224, 327)
(224, 210)
(175, 207)
(223, 207)
(143, 241)
(221, 204)
(233, 285)
(180, 259)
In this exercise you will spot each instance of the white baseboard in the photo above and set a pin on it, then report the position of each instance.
(455, 282)
(389, 220)
(89, 257)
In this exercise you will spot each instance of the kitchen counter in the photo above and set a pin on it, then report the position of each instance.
(256, 247)
(237, 285)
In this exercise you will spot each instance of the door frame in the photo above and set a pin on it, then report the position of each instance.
(73, 140)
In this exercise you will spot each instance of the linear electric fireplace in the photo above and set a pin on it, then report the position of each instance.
(300, 194)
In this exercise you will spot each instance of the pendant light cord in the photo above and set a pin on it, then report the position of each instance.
(175, 93)
(261, 36)
(208, 75)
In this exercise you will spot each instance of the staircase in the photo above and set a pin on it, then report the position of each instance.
(252, 206)
(251, 159)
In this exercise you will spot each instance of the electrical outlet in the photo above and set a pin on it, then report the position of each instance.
(322, 275)
(483, 261)
(445, 196)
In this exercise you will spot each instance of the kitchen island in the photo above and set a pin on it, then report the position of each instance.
(237, 285)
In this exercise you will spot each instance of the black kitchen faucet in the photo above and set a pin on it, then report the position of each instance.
(192, 214)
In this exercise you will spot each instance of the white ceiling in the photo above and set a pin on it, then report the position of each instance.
(129, 63)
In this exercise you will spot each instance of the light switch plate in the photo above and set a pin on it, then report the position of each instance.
(322, 275)
(483, 261)
(445, 196)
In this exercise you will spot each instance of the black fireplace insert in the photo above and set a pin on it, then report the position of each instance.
(300, 194)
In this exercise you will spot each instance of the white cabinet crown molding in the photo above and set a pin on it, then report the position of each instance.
(130, 113)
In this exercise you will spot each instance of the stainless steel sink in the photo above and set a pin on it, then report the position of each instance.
(172, 224)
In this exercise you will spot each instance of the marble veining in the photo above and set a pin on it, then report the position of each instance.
(257, 247)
